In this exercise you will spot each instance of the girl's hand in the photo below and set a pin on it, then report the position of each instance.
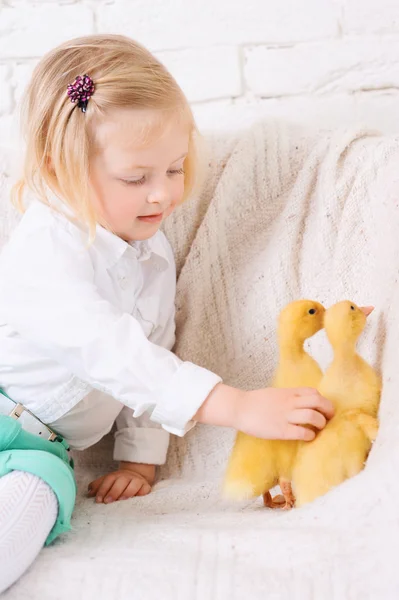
(268, 413)
(283, 413)
(131, 479)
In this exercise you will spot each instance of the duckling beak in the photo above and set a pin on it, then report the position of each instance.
(366, 310)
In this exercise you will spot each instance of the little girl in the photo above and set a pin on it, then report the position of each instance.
(87, 295)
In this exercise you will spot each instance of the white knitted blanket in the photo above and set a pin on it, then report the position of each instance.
(282, 216)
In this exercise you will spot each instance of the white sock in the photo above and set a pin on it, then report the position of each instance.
(28, 510)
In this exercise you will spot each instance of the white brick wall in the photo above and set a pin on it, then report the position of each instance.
(322, 62)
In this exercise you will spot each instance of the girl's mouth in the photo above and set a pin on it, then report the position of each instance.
(151, 218)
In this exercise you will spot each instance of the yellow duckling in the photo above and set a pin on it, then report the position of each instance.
(340, 450)
(257, 465)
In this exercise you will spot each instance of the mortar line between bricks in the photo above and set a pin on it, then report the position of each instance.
(241, 66)
(95, 18)
(347, 37)
(324, 42)
(12, 61)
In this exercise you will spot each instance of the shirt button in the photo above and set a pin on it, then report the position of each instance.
(123, 282)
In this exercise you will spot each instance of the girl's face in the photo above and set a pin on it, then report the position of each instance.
(137, 171)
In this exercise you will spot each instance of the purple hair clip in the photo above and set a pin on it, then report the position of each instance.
(81, 90)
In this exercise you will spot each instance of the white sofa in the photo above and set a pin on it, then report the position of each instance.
(281, 215)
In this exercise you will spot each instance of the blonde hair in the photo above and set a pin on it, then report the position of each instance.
(57, 132)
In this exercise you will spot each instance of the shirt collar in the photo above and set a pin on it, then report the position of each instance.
(113, 248)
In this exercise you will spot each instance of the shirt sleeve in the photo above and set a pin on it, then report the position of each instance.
(139, 440)
(49, 296)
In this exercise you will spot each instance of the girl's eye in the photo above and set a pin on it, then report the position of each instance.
(134, 181)
(142, 180)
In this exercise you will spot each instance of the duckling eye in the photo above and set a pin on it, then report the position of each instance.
(352, 308)
(312, 311)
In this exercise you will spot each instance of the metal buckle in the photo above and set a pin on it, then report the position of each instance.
(17, 411)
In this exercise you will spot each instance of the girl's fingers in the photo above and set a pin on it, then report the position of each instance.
(304, 391)
(112, 487)
(94, 485)
(137, 487)
(296, 432)
(144, 490)
(315, 402)
(307, 416)
(116, 490)
(104, 488)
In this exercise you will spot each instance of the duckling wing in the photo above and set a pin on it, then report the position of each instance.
(367, 423)
(252, 468)
(337, 453)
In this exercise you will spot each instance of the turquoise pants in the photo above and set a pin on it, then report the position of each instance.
(23, 451)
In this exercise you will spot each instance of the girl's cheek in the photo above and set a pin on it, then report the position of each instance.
(170, 209)
(179, 193)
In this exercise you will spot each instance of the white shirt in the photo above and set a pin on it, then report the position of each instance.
(85, 324)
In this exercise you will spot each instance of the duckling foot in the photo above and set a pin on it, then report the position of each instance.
(276, 502)
(288, 495)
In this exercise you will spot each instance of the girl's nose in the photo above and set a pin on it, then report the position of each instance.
(158, 195)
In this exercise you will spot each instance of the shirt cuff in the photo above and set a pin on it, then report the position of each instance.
(148, 446)
(189, 388)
